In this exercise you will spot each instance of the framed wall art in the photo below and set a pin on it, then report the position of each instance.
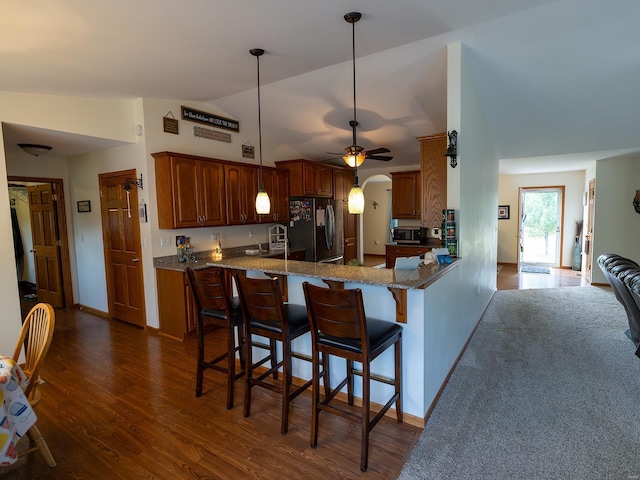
(503, 212)
(84, 206)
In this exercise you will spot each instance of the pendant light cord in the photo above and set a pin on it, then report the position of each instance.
(259, 125)
(353, 44)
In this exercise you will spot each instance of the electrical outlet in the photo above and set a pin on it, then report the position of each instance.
(250, 233)
(165, 241)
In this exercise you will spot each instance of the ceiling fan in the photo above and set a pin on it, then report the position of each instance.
(355, 154)
(355, 150)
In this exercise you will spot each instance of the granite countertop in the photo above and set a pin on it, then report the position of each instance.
(402, 279)
(203, 259)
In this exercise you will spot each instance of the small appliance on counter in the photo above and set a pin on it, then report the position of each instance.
(410, 235)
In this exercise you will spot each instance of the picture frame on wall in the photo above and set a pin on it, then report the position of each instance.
(84, 206)
(504, 212)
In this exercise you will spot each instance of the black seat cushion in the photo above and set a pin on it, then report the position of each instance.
(296, 315)
(222, 315)
(379, 332)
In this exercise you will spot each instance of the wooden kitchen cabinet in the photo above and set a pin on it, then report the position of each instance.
(342, 183)
(433, 165)
(177, 312)
(405, 195)
(241, 187)
(307, 178)
(276, 184)
(190, 191)
(395, 251)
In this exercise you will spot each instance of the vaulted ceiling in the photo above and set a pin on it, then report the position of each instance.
(557, 79)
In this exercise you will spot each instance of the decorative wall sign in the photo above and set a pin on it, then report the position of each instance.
(503, 212)
(170, 124)
(193, 115)
(84, 206)
(211, 134)
(248, 151)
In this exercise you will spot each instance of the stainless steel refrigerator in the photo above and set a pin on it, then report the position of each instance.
(316, 226)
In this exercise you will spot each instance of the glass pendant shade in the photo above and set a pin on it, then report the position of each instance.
(356, 200)
(354, 160)
(263, 204)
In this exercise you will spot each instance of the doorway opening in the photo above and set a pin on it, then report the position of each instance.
(540, 230)
(43, 272)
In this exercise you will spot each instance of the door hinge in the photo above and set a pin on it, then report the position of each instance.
(54, 197)
(58, 243)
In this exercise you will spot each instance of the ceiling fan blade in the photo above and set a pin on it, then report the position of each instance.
(334, 153)
(384, 158)
(376, 151)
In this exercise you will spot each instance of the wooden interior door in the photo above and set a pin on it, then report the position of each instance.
(46, 244)
(122, 248)
(588, 238)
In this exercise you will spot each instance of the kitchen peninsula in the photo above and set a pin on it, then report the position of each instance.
(386, 292)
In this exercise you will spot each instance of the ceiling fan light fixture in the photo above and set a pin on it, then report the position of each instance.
(354, 156)
(34, 149)
(263, 204)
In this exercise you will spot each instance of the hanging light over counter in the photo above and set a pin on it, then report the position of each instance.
(263, 204)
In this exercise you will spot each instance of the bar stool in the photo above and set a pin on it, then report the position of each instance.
(339, 327)
(217, 309)
(266, 315)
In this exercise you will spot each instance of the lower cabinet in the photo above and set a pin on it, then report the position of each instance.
(177, 312)
(395, 251)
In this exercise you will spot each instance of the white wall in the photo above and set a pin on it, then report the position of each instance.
(573, 210)
(111, 119)
(375, 220)
(617, 225)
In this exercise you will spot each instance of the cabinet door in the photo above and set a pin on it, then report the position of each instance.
(184, 179)
(433, 165)
(211, 192)
(309, 182)
(405, 195)
(281, 202)
(241, 184)
(276, 184)
(324, 181)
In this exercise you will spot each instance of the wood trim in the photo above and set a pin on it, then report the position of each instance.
(400, 296)
(93, 311)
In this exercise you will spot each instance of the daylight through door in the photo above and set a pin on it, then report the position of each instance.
(540, 232)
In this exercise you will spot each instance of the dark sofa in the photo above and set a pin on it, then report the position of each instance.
(624, 277)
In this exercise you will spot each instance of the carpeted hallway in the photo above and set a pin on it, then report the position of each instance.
(548, 388)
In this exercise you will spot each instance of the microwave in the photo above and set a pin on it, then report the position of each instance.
(410, 235)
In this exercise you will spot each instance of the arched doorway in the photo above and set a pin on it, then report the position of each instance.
(374, 225)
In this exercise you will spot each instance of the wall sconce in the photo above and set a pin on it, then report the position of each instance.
(452, 149)
(128, 182)
(34, 149)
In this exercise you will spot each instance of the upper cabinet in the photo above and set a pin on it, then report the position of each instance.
(433, 165)
(276, 184)
(241, 184)
(405, 195)
(190, 191)
(307, 178)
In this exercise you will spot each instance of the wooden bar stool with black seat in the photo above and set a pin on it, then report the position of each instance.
(266, 315)
(216, 308)
(339, 327)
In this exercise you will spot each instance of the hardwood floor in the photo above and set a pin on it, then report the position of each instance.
(510, 279)
(119, 403)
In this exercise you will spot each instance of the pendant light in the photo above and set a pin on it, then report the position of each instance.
(263, 204)
(355, 155)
